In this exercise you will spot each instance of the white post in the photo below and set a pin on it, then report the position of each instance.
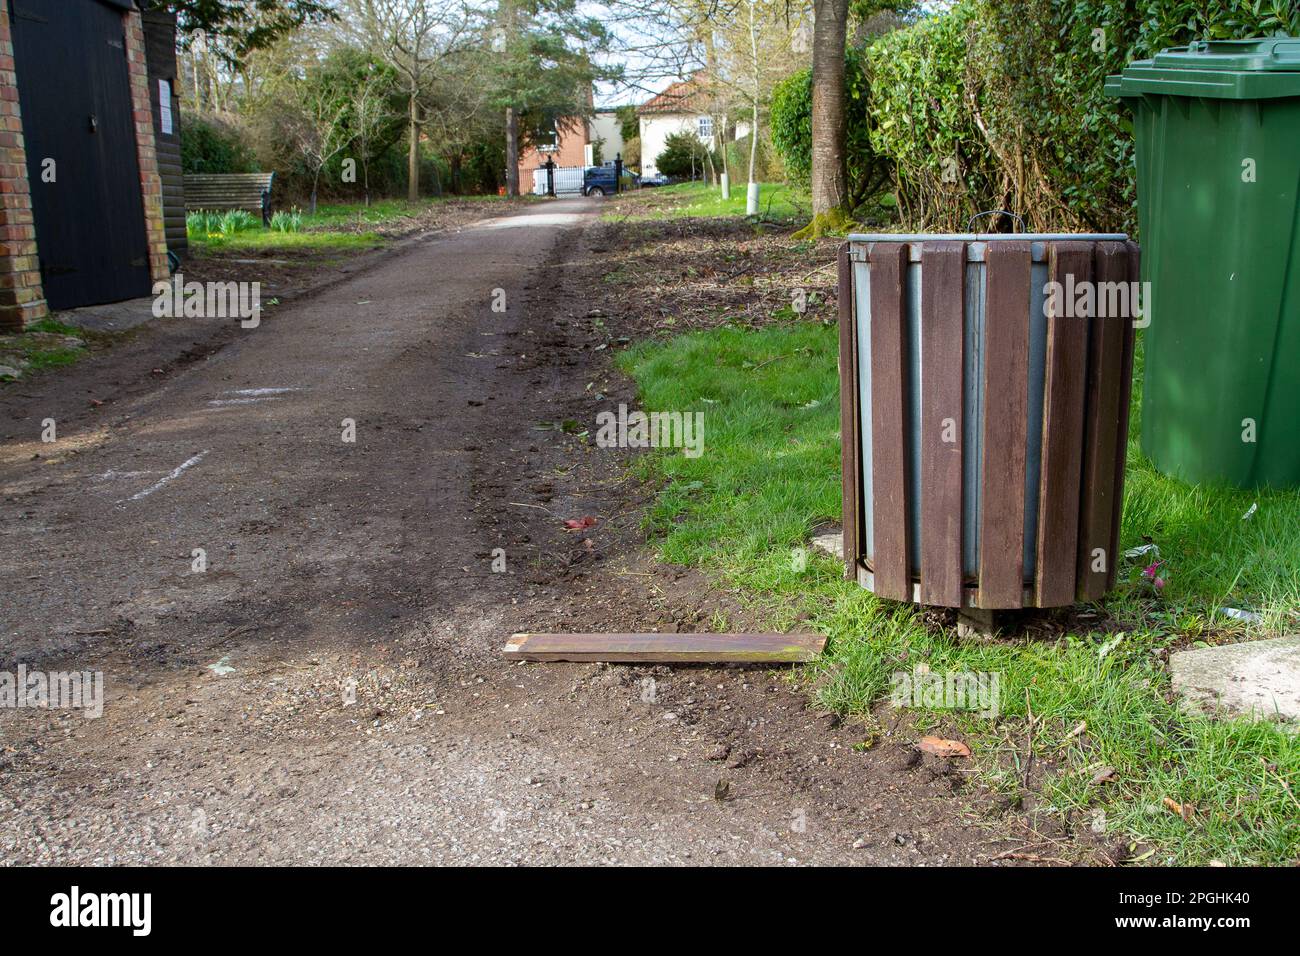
(726, 185)
(751, 200)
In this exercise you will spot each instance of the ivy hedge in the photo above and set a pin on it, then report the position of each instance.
(999, 104)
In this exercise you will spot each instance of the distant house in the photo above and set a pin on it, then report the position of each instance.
(606, 132)
(567, 145)
(572, 142)
(685, 107)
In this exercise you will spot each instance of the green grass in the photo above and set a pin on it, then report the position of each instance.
(770, 474)
(37, 355)
(342, 227)
(379, 212)
(776, 201)
(258, 238)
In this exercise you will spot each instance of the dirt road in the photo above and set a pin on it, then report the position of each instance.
(329, 688)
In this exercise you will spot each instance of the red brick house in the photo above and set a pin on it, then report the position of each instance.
(567, 148)
(81, 211)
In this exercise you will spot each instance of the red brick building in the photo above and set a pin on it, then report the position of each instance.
(568, 148)
(81, 212)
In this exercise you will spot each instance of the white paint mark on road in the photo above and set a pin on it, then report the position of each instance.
(170, 476)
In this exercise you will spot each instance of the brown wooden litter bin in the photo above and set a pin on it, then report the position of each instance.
(984, 414)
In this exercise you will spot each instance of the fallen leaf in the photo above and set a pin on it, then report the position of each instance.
(1184, 810)
(943, 748)
(1104, 775)
(577, 524)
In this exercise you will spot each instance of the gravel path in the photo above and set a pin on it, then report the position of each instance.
(329, 688)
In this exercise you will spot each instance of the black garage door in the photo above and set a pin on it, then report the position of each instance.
(70, 57)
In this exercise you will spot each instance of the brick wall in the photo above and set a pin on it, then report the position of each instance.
(573, 139)
(22, 301)
(150, 179)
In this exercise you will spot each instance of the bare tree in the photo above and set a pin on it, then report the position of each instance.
(417, 38)
(370, 116)
(318, 125)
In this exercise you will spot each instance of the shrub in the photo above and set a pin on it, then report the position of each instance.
(683, 155)
(1000, 103)
(632, 152)
(1066, 148)
(923, 119)
(211, 145)
(791, 126)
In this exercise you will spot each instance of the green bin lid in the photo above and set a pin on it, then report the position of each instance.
(1260, 68)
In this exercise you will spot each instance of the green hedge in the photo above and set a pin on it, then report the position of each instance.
(791, 128)
(1000, 104)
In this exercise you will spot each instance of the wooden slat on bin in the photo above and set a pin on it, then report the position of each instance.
(889, 509)
(850, 443)
(1006, 375)
(1063, 397)
(1125, 389)
(943, 282)
(1101, 427)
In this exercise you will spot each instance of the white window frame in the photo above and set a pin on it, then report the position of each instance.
(704, 128)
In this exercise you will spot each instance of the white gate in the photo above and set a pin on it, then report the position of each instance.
(568, 180)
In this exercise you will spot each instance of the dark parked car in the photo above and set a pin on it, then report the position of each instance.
(598, 181)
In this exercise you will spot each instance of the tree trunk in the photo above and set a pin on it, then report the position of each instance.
(512, 152)
(828, 160)
(413, 156)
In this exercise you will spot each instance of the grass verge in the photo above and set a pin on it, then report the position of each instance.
(340, 227)
(769, 474)
(777, 201)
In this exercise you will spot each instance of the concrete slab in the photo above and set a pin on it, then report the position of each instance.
(832, 542)
(112, 317)
(1259, 678)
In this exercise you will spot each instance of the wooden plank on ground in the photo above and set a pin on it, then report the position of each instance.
(943, 326)
(1063, 397)
(666, 648)
(891, 576)
(1006, 376)
(850, 454)
(1101, 420)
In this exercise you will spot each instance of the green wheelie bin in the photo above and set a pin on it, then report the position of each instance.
(1217, 125)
